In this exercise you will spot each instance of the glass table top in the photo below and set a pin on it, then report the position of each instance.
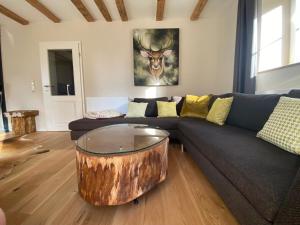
(121, 138)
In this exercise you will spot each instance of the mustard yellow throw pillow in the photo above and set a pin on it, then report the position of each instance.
(166, 109)
(219, 110)
(195, 106)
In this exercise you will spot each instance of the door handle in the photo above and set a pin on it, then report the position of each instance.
(48, 86)
(68, 91)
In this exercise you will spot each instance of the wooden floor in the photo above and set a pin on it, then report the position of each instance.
(43, 190)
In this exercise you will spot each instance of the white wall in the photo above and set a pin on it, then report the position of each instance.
(279, 80)
(206, 57)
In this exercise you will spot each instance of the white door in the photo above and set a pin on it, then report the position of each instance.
(62, 83)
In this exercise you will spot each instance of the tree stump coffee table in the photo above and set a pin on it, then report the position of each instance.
(117, 164)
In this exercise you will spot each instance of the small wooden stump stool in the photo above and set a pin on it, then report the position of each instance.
(22, 121)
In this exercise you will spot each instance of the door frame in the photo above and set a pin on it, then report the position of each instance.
(44, 46)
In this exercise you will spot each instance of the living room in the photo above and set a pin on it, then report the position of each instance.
(150, 112)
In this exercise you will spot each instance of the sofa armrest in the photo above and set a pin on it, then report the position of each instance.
(289, 213)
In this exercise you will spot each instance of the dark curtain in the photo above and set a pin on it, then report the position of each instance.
(243, 82)
(2, 96)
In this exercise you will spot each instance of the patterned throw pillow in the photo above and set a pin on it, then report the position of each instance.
(283, 127)
(219, 110)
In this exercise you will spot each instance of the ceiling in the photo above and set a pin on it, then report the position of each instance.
(136, 9)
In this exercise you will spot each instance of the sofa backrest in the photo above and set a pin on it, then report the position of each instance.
(294, 93)
(151, 110)
(214, 97)
(179, 106)
(251, 111)
(211, 101)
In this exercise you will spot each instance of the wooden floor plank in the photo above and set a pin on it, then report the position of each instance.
(43, 190)
(38, 171)
(46, 213)
(40, 161)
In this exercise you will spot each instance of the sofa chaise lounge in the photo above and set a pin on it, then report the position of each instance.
(259, 182)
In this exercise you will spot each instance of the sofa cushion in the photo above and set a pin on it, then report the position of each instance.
(195, 106)
(90, 124)
(283, 127)
(151, 110)
(251, 111)
(240, 207)
(294, 93)
(136, 109)
(166, 109)
(211, 101)
(179, 104)
(219, 111)
(214, 98)
(261, 171)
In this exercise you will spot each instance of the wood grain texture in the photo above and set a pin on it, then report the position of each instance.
(7, 136)
(23, 121)
(44, 10)
(43, 190)
(8, 160)
(18, 125)
(7, 12)
(103, 9)
(198, 9)
(10, 156)
(119, 179)
(160, 8)
(23, 125)
(122, 10)
(83, 10)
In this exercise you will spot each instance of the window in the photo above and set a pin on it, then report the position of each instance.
(278, 33)
(270, 54)
(295, 32)
(61, 72)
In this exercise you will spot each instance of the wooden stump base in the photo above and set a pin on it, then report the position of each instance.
(119, 179)
(23, 121)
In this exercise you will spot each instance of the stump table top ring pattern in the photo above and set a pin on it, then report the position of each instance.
(118, 163)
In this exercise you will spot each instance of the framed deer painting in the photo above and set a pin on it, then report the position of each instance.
(156, 57)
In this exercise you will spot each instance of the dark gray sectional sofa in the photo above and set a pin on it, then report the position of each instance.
(259, 182)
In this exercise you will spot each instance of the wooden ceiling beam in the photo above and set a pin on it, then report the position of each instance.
(160, 10)
(44, 10)
(103, 9)
(5, 11)
(198, 9)
(122, 10)
(83, 10)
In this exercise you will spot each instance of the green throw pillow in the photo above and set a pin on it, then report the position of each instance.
(219, 110)
(136, 109)
(166, 109)
(283, 126)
